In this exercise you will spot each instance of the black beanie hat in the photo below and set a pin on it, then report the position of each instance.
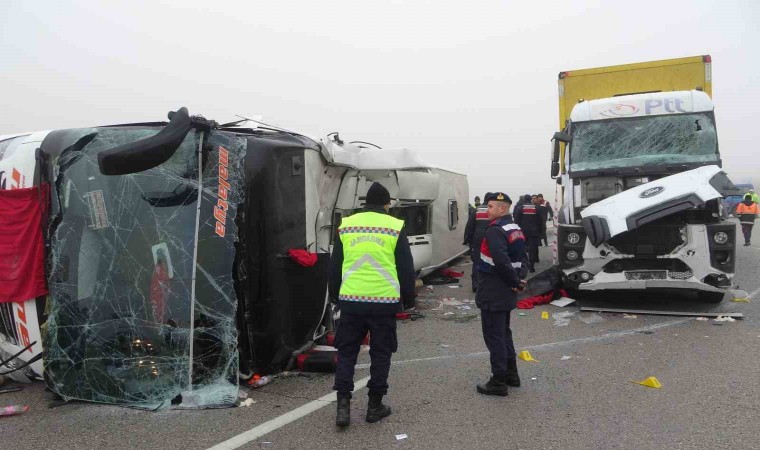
(378, 195)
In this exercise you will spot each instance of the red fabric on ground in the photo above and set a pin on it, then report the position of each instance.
(530, 302)
(303, 257)
(22, 250)
(446, 272)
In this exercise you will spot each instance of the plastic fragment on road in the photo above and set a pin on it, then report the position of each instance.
(740, 296)
(565, 358)
(461, 317)
(562, 302)
(448, 313)
(526, 356)
(401, 437)
(522, 314)
(702, 319)
(651, 382)
(592, 319)
(630, 316)
(562, 319)
(545, 315)
(445, 345)
(13, 410)
(247, 402)
(257, 381)
(724, 319)
(463, 307)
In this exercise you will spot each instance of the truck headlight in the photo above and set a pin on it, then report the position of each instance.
(573, 238)
(720, 237)
(572, 255)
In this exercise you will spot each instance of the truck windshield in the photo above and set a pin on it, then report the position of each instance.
(644, 141)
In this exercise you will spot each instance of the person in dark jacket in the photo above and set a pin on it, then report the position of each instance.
(546, 209)
(501, 273)
(371, 276)
(476, 224)
(530, 221)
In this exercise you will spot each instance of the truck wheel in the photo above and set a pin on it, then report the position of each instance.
(711, 297)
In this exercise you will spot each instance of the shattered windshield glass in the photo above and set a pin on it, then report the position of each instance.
(642, 141)
(123, 326)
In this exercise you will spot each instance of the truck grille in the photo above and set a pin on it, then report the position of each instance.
(648, 240)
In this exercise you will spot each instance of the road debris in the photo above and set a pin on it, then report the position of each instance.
(702, 319)
(562, 319)
(663, 313)
(522, 314)
(562, 302)
(565, 358)
(258, 381)
(8, 391)
(445, 345)
(463, 307)
(247, 402)
(740, 296)
(592, 319)
(630, 316)
(13, 410)
(545, 315)
(461, 317)
(724, 319)
(651, 382)
(526, 356)
(401, 437)
(451, 302)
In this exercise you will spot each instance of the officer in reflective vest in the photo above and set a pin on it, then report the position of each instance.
(502, 269)
(371, 276)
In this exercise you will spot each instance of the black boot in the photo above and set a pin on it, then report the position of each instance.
(376, 410)
(343, 415)
(494, 386)
(513, 378)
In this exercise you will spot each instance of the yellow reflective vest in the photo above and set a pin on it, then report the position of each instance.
(369, 263)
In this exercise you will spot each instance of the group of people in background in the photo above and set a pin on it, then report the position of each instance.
(531, 214)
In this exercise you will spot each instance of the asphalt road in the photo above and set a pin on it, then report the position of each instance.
(710, 396)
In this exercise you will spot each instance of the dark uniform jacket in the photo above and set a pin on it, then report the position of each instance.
(503, 263)
(404, 269)
(529, 218)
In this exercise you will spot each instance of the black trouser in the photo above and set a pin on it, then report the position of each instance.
(747, 231)
(544, 239)
(382, 344)
(498, 338)
(532, 243)
(475, 257)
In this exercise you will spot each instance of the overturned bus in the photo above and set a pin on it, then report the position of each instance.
(170, 251)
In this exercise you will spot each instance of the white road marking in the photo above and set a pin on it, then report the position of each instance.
(601, 337)
(302, 411)
(279, 422)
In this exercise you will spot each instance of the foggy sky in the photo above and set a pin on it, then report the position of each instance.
(471, 85)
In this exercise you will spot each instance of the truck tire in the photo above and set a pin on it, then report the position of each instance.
(711, 297)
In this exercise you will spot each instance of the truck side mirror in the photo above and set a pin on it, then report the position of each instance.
(555, 169)
(557, 138)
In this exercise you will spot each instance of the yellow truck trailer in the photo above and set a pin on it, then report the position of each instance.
(679, 74)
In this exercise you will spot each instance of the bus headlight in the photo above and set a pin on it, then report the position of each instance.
(573, 238)
(720, 237)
